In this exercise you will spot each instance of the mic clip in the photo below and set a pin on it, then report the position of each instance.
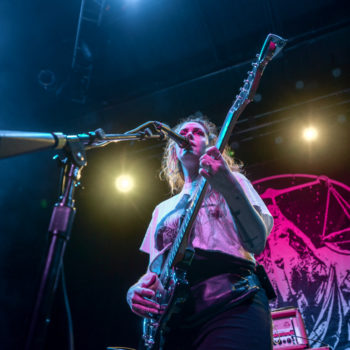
(179, 139)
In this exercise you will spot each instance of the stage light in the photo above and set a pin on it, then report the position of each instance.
(278, 140)
(336, 72)
(124, 183)
(234, 145)
(299, 85)
(46, 79)
(310, 134)
(341, 118)
(257, 97)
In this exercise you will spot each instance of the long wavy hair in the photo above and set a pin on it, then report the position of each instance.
(171, 169)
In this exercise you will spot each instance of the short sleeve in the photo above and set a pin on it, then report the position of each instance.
(148, 244)
(255, 200)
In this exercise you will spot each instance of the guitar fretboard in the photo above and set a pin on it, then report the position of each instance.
(273, 44)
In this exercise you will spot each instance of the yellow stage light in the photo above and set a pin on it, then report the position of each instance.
(310, 134)
(124, 183)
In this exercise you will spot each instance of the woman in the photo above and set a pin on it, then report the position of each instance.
(227, 308)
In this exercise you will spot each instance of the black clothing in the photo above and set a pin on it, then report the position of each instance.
(227, 308)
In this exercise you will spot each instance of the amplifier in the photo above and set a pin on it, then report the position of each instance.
(288, 329)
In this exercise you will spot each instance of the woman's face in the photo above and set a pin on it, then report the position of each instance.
(198, 138)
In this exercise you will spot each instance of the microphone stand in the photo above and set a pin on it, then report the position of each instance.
(71, 161)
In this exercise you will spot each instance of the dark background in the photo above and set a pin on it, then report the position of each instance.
(148, 60)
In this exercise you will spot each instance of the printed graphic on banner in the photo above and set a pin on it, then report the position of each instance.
(307, 255)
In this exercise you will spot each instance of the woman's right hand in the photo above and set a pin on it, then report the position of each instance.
(140, 294)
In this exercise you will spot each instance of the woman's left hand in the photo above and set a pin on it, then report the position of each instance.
(214, 168)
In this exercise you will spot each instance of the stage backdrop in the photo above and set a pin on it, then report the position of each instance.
(307, 255)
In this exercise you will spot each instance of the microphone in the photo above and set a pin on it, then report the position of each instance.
(180, 140)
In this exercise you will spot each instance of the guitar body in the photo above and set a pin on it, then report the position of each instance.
(173, 297)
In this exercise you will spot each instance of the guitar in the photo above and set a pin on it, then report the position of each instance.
(177, 260)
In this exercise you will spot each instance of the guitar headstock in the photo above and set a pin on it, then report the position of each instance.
(272, 46)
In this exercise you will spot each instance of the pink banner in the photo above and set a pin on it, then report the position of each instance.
(307, 255)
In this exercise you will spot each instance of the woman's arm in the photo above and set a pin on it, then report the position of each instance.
(248, 218)
(140, 295)
(251, 227)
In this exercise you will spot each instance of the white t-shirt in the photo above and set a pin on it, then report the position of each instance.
(214, 228)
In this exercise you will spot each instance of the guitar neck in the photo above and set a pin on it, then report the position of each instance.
(186, 225)
(272, 45)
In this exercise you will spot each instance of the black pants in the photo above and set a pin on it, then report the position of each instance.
(247, 326)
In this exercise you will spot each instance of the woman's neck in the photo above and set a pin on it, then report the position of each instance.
(190, 182)
(191, 176)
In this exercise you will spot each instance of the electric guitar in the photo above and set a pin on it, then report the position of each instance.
(176, 261)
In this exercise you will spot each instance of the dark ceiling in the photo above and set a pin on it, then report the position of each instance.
(149, 60)
(143, 48)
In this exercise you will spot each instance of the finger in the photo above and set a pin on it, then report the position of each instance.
(204, 162)
(204, 173)
(213, 152)
(136, 299)
(207, 161)
(150, 281)
(144, 310)
(205, 157)
(211, 148)
(145, 292)
(138, 313)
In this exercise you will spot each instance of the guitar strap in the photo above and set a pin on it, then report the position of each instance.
(265, 282)
(219, 282)
(217, 294)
